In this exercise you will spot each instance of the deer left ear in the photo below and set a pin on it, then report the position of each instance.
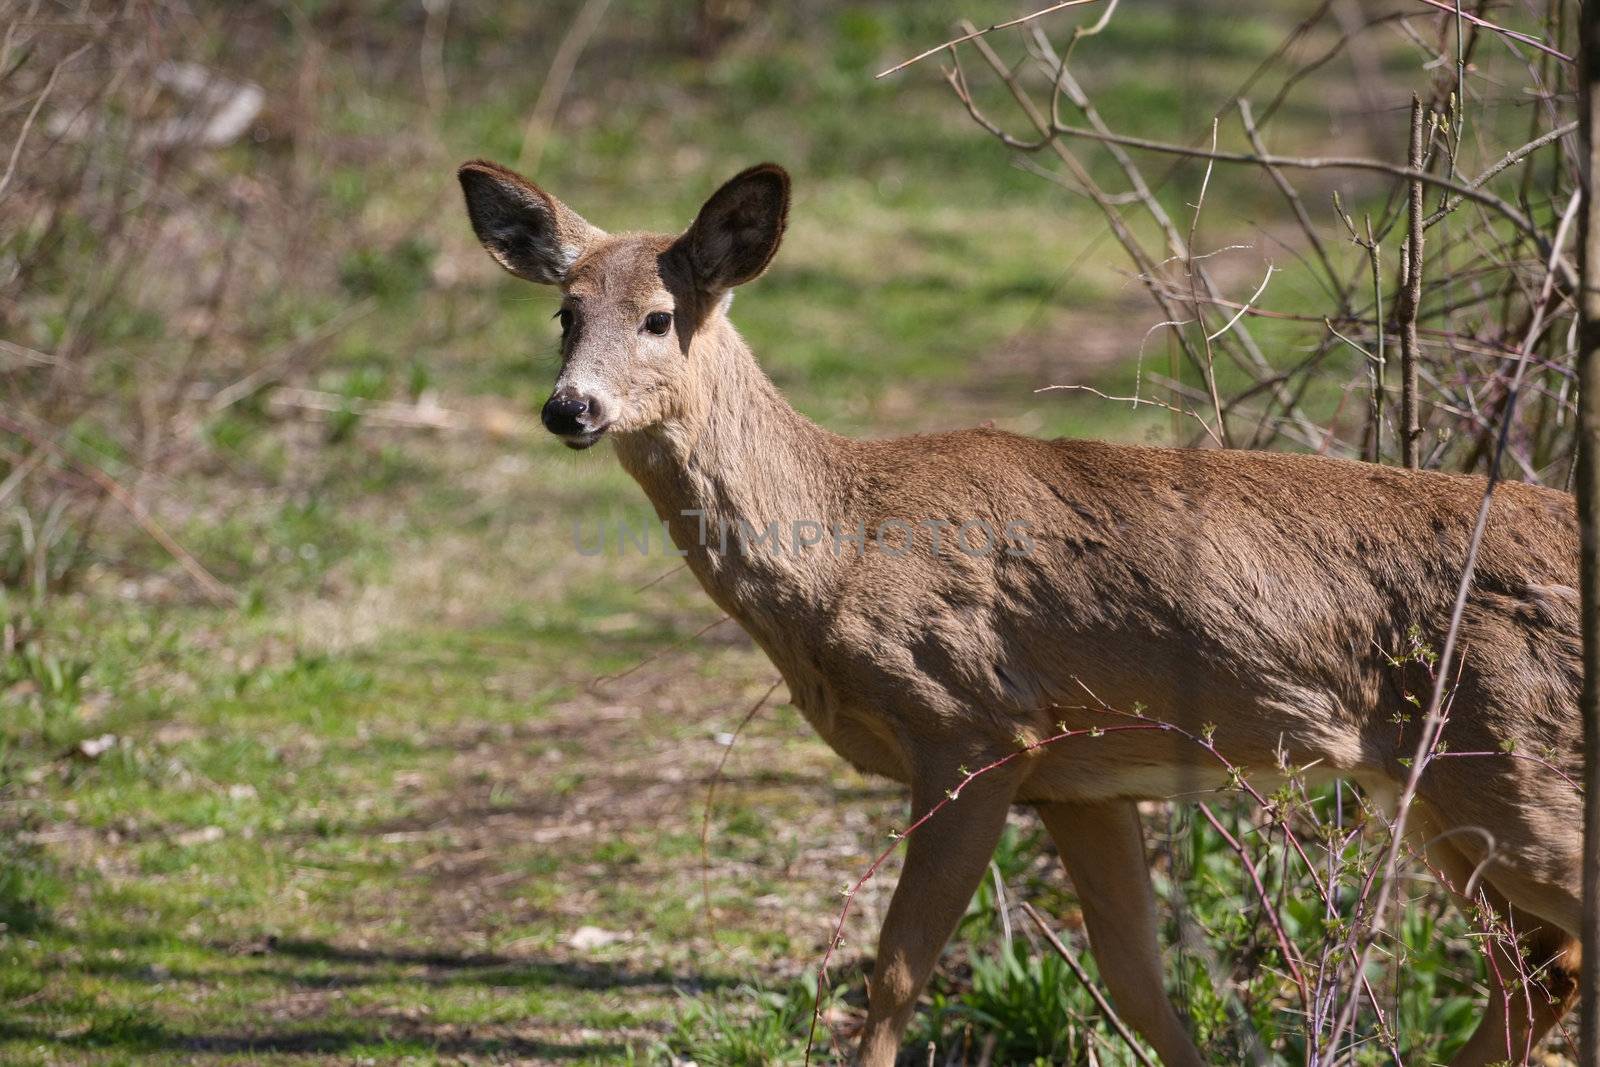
(529, 232)
(738, 230)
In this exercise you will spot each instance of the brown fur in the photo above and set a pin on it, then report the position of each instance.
(1262, 593)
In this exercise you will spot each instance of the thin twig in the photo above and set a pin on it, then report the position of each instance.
(974, 34)
(1296, 205)
(1194, 300)
(605, 679)
(208, 583)
(1100, 1001)
(1531, 42)
(1291, 957)
(658, 579)
(711, 796)
(280, 363)
(1466, 191)
(535, 133)
(1516, 155)
(1136, 401)
(1245, 307)
(1411, 299)
(33, 113)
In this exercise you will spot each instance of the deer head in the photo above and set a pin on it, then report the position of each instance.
(633, 303)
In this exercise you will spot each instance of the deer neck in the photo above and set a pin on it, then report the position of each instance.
(733, 464)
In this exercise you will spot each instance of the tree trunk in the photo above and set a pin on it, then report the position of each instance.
(1588, 491)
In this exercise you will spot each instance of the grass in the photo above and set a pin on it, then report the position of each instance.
(370, 815)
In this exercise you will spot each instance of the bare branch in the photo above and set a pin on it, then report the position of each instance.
(1531, 42)
(1516, 155)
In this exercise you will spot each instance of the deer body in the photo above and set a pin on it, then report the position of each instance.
(1264, 593)
(1267, 600)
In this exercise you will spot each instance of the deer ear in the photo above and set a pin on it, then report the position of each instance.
(529, 232)
(737, 232)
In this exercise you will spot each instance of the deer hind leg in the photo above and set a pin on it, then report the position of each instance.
(1102, 847)
(945, 859)
(1519, 1013)
(1518, 1018)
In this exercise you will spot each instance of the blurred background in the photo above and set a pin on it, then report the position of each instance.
(319, 740)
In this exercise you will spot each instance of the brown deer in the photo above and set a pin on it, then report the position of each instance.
(1257, 595)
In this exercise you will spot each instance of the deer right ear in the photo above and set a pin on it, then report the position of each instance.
(529, 232)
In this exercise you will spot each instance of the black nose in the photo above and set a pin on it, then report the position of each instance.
(564, 412)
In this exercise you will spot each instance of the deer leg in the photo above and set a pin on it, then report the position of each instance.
(1102, 847)
(1518, 1014)
(945, 859)
(1515, 1022)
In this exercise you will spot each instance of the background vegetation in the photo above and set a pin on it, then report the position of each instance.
(318, 739)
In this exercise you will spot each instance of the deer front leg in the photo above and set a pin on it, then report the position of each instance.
(1102, 847)
(945, 859)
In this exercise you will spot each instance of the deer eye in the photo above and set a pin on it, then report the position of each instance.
(565, 315)
(658, 322)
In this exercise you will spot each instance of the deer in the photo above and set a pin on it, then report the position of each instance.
(1255, 595)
